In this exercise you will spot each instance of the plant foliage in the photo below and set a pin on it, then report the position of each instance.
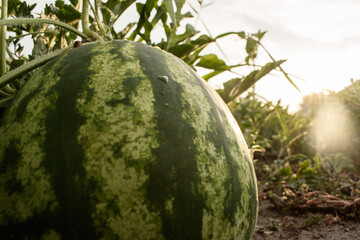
(292, 171)
(185, 42)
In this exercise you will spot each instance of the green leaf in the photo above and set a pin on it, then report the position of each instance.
(251, 49)
(198, 45)
(259, 35)
(74, 2)
(159, 14)
(212, 74)
(170, 9)
(112, 10)
(211, 61)
(228, 92)
(230, 33)
(282, 122)
(186, 15)
(176, 39)
(20, 9)
(268, 68)
(281, 69)
(286, 171)
(64, 12)
(203, 39)
(144, 11)
(191, 59)
(235, 87)
(289, 79)
(179, 5)
(181, 50)
(15, 63)
(242, 35)
(124, 32)
(150, 5)
(140, 7)
(164, 18)
(312, 220)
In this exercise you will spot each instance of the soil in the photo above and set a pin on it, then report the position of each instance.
(277, 224)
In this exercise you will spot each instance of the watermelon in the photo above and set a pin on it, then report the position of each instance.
(120, 140)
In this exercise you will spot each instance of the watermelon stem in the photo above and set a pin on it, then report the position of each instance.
(3, 46)
(4, 8)
(5, 101)
(97, 19)
(85, 22)
(4, 22)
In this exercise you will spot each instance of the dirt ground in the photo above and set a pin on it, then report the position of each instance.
(273, 224)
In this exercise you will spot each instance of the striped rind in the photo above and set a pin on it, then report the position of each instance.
(98, 137)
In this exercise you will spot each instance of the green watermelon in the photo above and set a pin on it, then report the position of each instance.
(120, 140)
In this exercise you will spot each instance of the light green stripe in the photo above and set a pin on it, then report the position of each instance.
(122, 185)
(28, 133)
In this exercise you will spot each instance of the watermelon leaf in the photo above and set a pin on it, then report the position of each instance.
(259, 35)
(112, 10)
(64, 12)
(123, 32)
(236, 86)
(179, 4)
(251, 49)
(212, 74)
(144, 11)
(268, 68)
(170, 9)
(181, 50)
(212, 61)
(189, 32)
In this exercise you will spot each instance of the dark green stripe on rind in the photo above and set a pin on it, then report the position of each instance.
(224, 140)
(8, 168)
(229, 138)
(64, 156)
(173, 178)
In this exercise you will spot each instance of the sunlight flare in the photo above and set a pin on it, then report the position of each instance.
(333, 129)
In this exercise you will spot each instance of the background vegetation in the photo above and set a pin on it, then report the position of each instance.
(297, 165)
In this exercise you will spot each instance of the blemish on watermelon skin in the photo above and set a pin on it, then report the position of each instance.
(117, 154)
(165, 79)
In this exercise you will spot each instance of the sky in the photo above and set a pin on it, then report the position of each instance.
(319, 39)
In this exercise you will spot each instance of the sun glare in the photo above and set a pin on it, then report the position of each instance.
(332, 130)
